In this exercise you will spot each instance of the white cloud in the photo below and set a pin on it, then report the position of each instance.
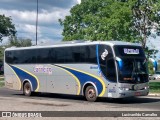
(79, 1)
(154, 43)
(48, 25)
(26, 28)
(44, 17)
(24, 17)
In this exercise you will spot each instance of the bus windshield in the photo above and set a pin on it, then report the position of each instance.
(132, 66)
(133, 71)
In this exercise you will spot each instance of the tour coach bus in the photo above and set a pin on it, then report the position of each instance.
(111, 69)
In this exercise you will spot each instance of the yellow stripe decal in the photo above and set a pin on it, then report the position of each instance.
(98, 78)
(20, 84)
(31, 75)
(77, 80)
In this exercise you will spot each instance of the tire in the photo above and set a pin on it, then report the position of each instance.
(90, 94)
(27, 89)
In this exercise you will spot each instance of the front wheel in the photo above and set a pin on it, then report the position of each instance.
(27, 89)
(90, 94)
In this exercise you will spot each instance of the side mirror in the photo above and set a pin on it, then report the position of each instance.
(120, 62)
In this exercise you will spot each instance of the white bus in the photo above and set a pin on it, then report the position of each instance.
(111, 69)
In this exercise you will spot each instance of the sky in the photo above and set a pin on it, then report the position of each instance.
(23, 14)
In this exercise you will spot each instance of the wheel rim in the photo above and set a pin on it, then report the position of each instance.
(91, 93)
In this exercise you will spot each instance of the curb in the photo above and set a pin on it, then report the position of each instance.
(154, 94)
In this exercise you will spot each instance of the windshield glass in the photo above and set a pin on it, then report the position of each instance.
(132, 65)
(133, 71)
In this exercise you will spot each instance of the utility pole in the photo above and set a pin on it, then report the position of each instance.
(37, 22)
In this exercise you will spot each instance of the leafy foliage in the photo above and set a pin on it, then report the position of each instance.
(124, 20)
(14, 41)
(150, 68)
(19, 42)
(2, 48)
(7, 28)
(146, 17)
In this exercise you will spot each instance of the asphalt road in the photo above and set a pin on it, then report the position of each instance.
(149, 103)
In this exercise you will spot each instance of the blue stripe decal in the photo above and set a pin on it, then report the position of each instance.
(97, 56)
(83, 78)
(23, 76)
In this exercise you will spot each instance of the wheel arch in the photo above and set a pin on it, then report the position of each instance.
(25, 81)
(89, 84)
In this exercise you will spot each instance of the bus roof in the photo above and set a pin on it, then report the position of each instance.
(75, 43)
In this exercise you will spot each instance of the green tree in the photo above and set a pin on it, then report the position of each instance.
(124, 20)
(150, 68)
(19, 42)
(2, 48)
(7, 28)
(158, 65)
(14, 41)
(146, 17)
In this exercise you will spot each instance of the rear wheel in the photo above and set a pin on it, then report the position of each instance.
(90, 94)
(27, 89)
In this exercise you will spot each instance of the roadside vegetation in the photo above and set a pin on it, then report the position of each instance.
(154, 87)
(1, 82)
(1, 78)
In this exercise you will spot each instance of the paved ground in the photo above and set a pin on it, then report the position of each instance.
(139, 102)
(155, 80)
(14, 101)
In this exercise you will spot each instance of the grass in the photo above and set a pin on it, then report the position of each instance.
(1, 84)
(1, 79)
(154, 87)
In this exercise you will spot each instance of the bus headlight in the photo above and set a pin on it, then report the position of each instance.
(124, 88)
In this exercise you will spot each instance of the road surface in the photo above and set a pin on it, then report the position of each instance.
(144, 103)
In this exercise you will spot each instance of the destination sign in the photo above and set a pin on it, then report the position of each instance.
(131, 51)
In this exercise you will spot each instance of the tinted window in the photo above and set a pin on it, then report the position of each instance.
(30, 56)
(111, 71)
(9, 56)
(78, 54)
(60, 58)
(92, 54)
(45, 55)
(106, 62)
(124, 50)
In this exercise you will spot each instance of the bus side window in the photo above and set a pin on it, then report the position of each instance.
(9, 57)
(107, 64)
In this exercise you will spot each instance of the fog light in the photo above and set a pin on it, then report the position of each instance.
(124, 88)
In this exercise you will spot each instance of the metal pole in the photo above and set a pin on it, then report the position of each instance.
(37, 22)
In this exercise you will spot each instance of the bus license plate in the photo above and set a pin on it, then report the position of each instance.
(137, 93)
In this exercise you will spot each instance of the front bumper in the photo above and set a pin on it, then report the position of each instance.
(131, 93)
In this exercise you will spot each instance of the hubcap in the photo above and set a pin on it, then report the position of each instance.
(27, 89)
(91, 93)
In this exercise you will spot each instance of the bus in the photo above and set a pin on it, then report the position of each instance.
(110, 69)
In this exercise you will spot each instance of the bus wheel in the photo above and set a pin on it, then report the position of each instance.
(90, 94)
(27, 89)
